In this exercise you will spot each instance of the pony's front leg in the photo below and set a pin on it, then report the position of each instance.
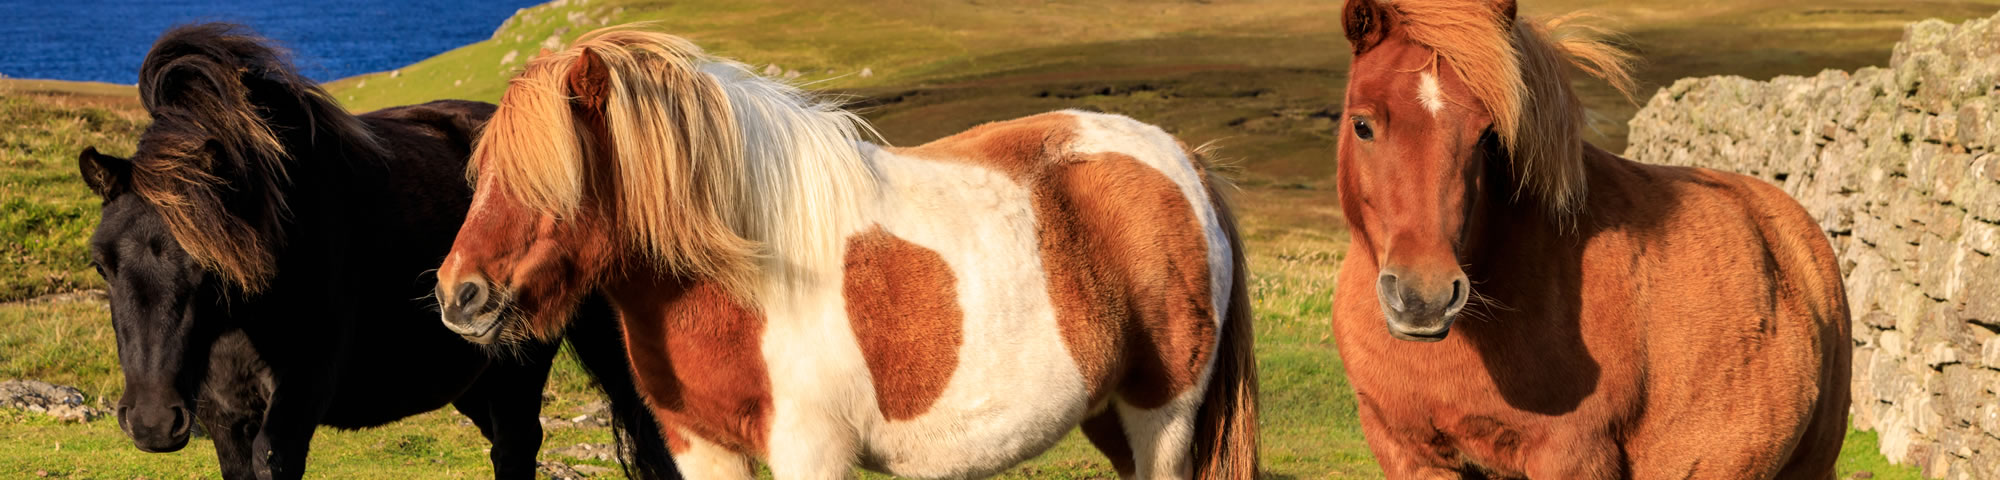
(805, 447)
(1399, 460)
(232, 432)
(699, 459)
(1580, 456)
(506, 404)
(279, 452)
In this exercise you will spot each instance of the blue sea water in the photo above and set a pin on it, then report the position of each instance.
(104, 41)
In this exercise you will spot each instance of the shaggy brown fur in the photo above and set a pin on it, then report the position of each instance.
(1630, 321)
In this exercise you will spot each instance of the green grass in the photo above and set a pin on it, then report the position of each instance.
(1872, 462)
(46, 215)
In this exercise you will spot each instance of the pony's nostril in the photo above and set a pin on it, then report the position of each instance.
(1386, 284)
(1458, 293)
(468, 296)
(181, 423)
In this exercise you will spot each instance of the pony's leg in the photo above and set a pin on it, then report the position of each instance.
(1579, 456)
(232, 404)
(1161, 438)
(279, 451)
(506, 404)
(595, 337)
(1108, 435)
(699, 459)
(232, 431)
(804, 448)
(1398, 460)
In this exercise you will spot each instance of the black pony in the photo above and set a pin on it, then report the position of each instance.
(266, 253)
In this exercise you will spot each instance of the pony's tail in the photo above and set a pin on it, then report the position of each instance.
(599, 344)
(1225, 441)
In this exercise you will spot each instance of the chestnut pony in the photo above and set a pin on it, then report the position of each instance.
(793, 293)
(1622, 320)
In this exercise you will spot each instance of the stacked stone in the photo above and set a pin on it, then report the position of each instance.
(1901, 166)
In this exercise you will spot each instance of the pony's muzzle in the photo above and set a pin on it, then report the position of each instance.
(1420, 311)
(156, 428)
(469, 309)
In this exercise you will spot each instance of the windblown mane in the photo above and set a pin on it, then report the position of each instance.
(228, 110)
(715, 172)
(1516, 68)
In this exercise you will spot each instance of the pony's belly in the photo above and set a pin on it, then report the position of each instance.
(978, 432)
(942, 450)
(1015, 388)
(1015, 391)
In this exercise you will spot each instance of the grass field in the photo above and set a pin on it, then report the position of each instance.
(1259, 78)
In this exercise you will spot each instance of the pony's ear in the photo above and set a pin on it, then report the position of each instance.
(1366, 22)
(588, 80)
(106, 175)
(1506, 9)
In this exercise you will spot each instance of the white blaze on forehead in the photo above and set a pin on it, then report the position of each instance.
(1429, 95)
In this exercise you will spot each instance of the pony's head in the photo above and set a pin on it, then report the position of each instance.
(618, 154)
(158, 291)
(198, 212)
(1448, 102)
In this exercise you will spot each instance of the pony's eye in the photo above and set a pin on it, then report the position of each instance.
(1362, 129)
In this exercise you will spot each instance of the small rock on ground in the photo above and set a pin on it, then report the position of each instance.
(64, 402)
(557, 471)
(588, 451)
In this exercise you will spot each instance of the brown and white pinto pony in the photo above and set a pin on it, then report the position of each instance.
(1622, 320)
(792, 293)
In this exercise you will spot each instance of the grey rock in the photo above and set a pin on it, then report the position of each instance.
(63, 402)
(557, 471)
(589, 451)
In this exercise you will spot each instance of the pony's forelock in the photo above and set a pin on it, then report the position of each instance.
(1515, 67)
(715, 172)
(529, 144)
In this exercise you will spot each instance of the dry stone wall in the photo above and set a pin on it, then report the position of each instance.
(1901, 166)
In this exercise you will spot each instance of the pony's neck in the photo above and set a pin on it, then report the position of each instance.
(1509, 232)
(808, 178)
(1525, 264)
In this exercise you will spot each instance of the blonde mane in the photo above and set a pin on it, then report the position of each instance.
(715, 172)
(1516, 68)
